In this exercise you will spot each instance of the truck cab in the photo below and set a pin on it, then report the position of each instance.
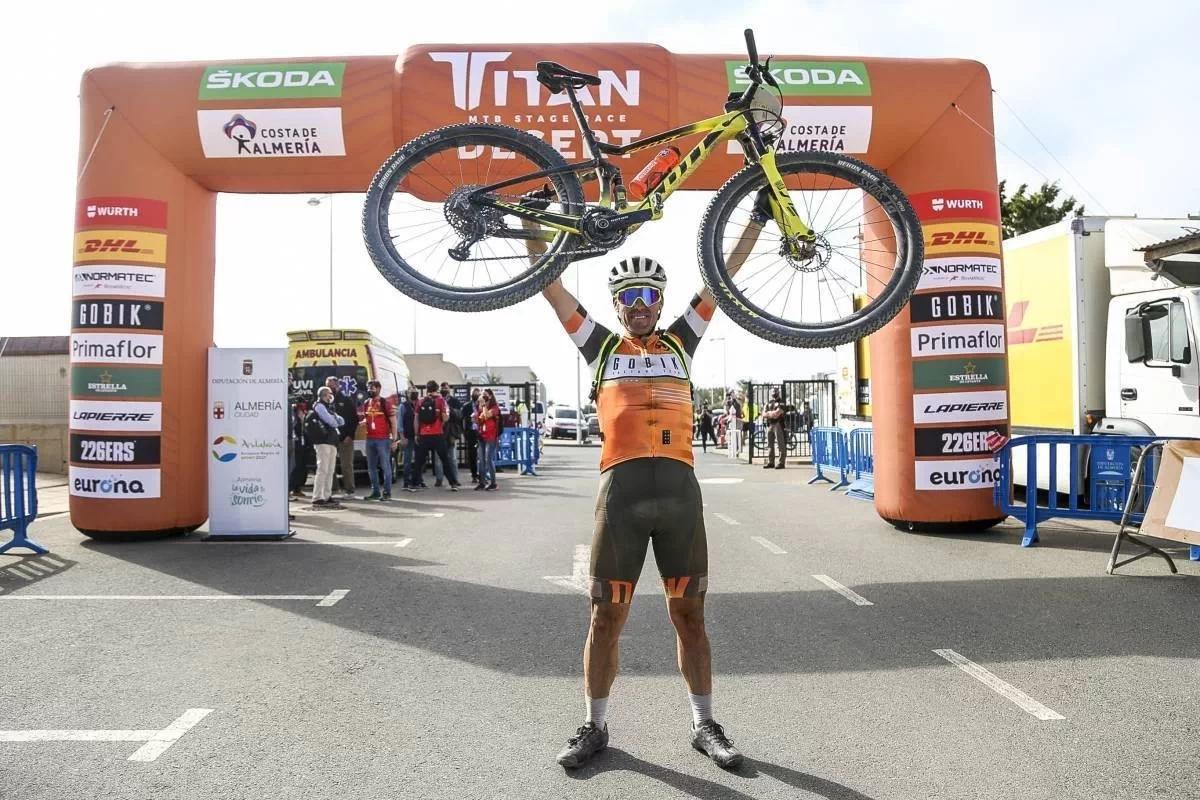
(1152, 384)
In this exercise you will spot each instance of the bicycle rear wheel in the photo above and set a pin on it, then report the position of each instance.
(867, 239)
(417, 211)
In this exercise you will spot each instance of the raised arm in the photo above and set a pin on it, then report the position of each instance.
(563, 302)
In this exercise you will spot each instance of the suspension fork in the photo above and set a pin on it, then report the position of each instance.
(780, 201)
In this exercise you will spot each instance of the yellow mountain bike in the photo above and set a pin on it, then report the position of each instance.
(474, 217)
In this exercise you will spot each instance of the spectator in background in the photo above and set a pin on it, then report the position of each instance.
(488, 417)
(324, 428)
(522, 413)
(749, 416)
(471, 431)
(408, 439)
(432, 413)
(733, 431)
(806, 420)
(775, 419)
(454, 427)
(380, 419)
(706, 427)
(301, 446)
(346, 408)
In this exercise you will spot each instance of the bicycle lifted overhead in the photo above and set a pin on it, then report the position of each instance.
(808, 229)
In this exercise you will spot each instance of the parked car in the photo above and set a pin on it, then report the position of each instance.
(562, 422)
(593, 425)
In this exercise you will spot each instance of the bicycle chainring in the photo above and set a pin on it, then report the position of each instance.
(599, 230)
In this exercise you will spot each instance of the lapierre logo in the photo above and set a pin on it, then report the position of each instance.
(116, 348)
(953, 407)
(952, 475)
(956, 340)
(960, 273)
(104, 415)
(117, 314)
(468, 73)
(115, 484)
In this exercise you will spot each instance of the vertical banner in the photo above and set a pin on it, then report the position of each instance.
(248, 437)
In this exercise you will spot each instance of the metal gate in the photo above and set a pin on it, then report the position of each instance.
(821, 398)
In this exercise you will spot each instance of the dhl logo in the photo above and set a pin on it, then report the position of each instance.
(961, 237)
(1019, 335)
(124, 246)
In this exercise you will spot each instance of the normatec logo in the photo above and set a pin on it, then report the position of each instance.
(468, 72)
(960, 273)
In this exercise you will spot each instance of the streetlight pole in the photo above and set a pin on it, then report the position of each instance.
(314, 202)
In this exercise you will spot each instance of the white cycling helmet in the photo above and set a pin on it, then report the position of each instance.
(637, 271)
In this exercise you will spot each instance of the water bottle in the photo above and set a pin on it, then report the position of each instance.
(653, 172)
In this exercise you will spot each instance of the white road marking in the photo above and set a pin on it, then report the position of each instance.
(404, 542)
(156, 742)
(774, 548)
(325, 599)
(849, 594)
(38, 568)
(998, 686)
(288, 542)
(577, 581)
(722, 480)
(25, 576)
(726, 520)
(53, 563)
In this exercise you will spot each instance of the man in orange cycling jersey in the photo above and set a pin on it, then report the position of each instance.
(648, 489)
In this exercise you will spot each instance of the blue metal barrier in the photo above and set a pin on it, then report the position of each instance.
(18, 495)
(829, 451)
(1110, 465)
(521, 448)
(861, 455)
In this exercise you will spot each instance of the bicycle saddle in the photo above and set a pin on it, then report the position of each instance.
(557, 78)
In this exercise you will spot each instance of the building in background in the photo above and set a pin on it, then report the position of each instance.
(504, 376)
(34, 396)
(425, 367)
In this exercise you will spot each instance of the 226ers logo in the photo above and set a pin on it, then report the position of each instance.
(961, 237)
(125, 246)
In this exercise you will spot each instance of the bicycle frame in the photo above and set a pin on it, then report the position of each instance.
(719, 129)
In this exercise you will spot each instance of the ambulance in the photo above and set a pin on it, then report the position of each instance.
(354, 357)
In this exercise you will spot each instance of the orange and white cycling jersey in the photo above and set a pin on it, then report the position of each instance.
(645, 400)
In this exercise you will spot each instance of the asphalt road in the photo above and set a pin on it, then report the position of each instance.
(451, 667)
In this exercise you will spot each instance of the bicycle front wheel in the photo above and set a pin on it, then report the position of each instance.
(867, 242)
(433, 242)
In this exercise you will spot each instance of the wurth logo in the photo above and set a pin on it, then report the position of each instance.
(469, 75)
(940, 204)
(111, 211)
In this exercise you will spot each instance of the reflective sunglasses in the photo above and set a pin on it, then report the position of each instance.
(647, 294)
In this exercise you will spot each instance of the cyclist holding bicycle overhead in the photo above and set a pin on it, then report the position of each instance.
(648, 491)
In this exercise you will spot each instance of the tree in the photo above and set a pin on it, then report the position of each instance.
(1023, 212)
(492, 378)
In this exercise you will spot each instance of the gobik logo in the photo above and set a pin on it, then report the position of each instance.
(468, 72)
(224, 449)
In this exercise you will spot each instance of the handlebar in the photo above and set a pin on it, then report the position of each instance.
(751, 48)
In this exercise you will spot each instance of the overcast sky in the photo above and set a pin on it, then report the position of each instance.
(1110, 88)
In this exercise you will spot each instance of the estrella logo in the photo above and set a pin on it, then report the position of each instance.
(221, 452)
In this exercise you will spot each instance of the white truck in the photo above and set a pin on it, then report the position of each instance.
(1103, 323)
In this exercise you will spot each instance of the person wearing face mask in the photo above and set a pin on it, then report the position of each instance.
(380, 420)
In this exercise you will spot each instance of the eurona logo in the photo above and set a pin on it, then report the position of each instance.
(109, 486)
(224, 449)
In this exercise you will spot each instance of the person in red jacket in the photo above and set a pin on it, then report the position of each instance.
(488, 419)
(380, 419)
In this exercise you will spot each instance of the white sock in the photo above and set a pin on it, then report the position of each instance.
(597, 709)
(701, 708)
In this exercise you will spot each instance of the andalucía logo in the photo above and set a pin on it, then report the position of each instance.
(224, 449)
